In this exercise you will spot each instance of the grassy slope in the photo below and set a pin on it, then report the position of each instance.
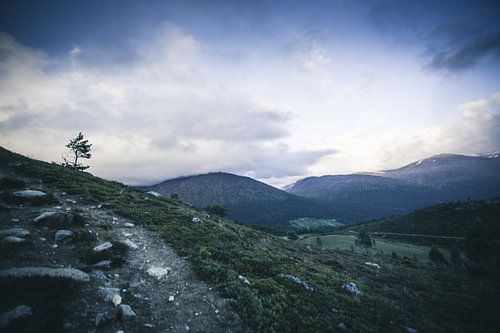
(426, 298)
(447, 219)
(382, 246)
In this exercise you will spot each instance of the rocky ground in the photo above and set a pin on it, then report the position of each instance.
(92, 271)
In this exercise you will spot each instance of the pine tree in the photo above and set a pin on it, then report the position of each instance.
(79, 148)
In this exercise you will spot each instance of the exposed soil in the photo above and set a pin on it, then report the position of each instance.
(76, 308)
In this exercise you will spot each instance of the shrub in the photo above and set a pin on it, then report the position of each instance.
(436, 256)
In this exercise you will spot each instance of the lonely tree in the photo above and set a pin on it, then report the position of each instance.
(78, 149)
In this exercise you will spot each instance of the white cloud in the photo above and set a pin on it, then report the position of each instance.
(160, 116)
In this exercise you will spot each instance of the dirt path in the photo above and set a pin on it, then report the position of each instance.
(159, 286)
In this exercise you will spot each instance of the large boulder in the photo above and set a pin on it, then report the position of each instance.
(28, 194)
(68, 274)
(16, 232)
(19, 312)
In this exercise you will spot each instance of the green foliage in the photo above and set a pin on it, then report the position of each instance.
(364, 240)
(220, 251)
(79, 148)
(436, 256)
(292, 235)
(217, 210)
(479, 243)
(446, 219)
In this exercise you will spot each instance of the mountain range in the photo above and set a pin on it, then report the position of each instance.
(347, 198)
(248, 200)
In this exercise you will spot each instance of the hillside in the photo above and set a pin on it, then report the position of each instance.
(446, 219)
(272, 284)
(460, 176)
(441, 178)
(363, 197)
(249, 201)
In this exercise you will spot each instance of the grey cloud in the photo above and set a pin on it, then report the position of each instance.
(453, 37)
(466, 54)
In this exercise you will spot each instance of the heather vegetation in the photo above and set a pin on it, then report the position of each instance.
(279, 284)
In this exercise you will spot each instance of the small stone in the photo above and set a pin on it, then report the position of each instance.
(71, 201)
(154, 194)
(128, 225)
(19, 312)
(410, 329)
(342, 326)
(29, 194)
(171, 298)
(372, 264)
(57, 207)
(15, 220)
(149, 325)
(125, 312)
(117, 300)
(103, 247)
(196, 219)
(243, 279)
(63, 235)
(131, 245)
(352, 288)
(158, 272)
(99, 206)
(187, 328)
(99, 275)
(103, 264)
(101, 319)
(55, 246)
(115, 219)
(216, 311)
(108, 294)
(42, 239)
(120, 331)
(13, 240)
(43, 216)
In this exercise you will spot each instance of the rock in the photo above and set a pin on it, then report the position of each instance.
(352, 288)
(17, 232)
(297, 281)
(99, 275)
(171, 298)
(71, 201)
(131, 245)
(29, 194)
(102, 264)
(15, 220)
(410, 329)
(108, 293)
(13, 240)
(70, 274)
(372, 264)
(128, 225)
(158, 272)
(63, 235)
(43, 216)
(154, 194)
(102, 319)
(342, 326)
(117, 300)
(103, 247)
(196, 219)
(19, 312)
(148, 325)
(243, 279)
(125, 312)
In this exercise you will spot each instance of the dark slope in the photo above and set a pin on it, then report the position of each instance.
(249, 201)
(446, 219)
(363, 197)
(440, 178)
(458, 175)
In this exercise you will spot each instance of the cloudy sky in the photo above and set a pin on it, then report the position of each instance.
(276, 90)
